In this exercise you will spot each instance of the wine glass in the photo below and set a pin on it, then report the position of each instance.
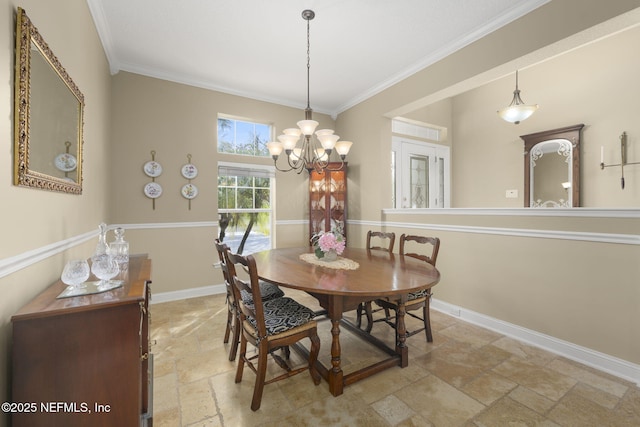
(105, 268)
(75, 273)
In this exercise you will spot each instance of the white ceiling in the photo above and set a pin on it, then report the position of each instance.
(258, 48)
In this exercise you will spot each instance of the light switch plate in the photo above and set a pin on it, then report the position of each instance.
(511, 194)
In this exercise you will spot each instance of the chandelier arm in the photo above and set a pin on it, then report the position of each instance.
(296, 164)
(335, 169)
(275, 164)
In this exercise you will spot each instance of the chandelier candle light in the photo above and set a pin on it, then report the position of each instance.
(517, 110)
(308, 154)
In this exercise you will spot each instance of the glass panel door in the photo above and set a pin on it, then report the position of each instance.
(421, 175)
(419, 181)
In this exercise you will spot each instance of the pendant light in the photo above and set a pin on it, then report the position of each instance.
(517, 110)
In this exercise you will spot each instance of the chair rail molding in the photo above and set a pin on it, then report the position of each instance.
(624, 239)
(556, 212)
(18, 262)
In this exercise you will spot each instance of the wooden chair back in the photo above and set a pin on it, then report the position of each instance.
(222, 250)
(388, 238)
(431, 258)
(233, 324)
(250, 286)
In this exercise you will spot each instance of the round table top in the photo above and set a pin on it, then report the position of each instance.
(379, 273)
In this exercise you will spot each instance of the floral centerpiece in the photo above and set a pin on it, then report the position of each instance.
(329, 244)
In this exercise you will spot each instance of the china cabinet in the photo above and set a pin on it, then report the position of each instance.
(85, 360)
(328, 199)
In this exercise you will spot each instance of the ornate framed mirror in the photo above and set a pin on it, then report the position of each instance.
(552, 168)
(48, 116)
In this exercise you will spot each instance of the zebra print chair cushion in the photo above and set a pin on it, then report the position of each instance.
(413, 295)
(418, 294)
(268, 291)
(282, 314)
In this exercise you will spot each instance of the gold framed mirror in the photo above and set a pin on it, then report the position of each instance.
(552, 168)
(48, 115)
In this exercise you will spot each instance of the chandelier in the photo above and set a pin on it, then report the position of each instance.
(517, 110)
(311, 153)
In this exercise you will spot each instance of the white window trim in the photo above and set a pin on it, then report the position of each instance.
(264, 171)
(235, 168)
(402, 146)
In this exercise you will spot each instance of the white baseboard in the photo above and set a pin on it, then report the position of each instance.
(601, 361)
(188, 293)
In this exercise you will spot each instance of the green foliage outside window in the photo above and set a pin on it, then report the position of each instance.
(243, 137)
(244, 204)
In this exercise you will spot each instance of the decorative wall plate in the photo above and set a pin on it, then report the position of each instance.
(152, 168)
(189, 191)
(66, 162)
(189, 171)
(153, 190)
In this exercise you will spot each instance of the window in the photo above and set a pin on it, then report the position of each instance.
(420, 174)
(245, 206)
(237, 136)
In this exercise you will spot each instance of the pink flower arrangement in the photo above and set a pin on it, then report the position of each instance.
(329, 241)
(326, 241)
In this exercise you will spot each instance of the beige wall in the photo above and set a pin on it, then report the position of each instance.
(33, 219)
(175, 120)
(545, 284)
(582, 292)
(595, 85)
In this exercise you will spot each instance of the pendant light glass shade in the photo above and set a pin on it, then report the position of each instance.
(517, 111)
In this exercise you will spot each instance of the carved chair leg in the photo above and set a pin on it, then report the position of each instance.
(427, 321)
(313, 357)
(243, 358)
(369, 312)
(261, 374)
(229, 323)
(359, 314)
(236, 340)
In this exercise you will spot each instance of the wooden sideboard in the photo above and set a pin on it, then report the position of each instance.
(85, 361)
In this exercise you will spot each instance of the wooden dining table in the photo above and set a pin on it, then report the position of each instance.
(378, 275)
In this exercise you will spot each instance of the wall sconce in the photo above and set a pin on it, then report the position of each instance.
(623, 158)
(517, 110)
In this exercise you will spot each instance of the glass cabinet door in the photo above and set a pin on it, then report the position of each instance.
(328, 199)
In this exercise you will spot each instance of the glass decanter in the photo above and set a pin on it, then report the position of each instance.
(119, 249)
(102, 248)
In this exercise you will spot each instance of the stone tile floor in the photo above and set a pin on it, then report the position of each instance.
(468, 376)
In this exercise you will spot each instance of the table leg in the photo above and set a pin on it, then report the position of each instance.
(401, 335)
(335, 374)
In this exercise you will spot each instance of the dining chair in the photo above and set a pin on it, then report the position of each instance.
(376, 241)
(267, 290)
(270, 326)
(418, 299)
